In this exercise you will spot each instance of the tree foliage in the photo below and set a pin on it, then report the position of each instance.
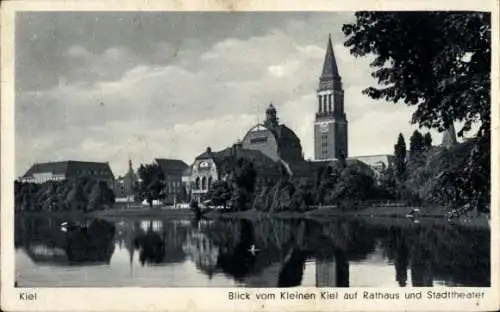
(416, 145)
(152, 182)
(242, 180)
(440, 63)
(219, 193)
(400, 156)
(427, 141)
(78, 195)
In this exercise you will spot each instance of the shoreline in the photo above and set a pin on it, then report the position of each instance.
(379, 215)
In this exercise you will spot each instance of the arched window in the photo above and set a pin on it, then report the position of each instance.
(324, 104)
(197, 183)
(330, 102)
(319, 99)
(209, 183)
(204, 183)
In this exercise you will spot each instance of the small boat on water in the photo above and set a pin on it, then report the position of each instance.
(69, 226)
(412, 214)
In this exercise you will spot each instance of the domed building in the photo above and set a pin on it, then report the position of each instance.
(275, 140)
(273, 148)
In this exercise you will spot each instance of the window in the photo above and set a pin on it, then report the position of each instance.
(258, 140)
(204, 183)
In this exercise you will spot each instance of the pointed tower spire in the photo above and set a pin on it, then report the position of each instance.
(330, 126)
(330, 70)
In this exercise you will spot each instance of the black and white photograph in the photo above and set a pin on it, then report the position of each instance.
(252, 149)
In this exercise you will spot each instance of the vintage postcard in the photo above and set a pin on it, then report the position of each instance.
(250, 156)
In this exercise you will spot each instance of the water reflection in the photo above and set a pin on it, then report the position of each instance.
(84, 242)
(267, 253)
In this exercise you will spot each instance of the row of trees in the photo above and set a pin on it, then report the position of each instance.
(440, 63)
(433, 175)
(332, 185)
(79, 195)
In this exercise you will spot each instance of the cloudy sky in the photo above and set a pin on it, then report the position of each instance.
(109, 86)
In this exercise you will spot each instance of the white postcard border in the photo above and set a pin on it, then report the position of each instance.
(216, 299)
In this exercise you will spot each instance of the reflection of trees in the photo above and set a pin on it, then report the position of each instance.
(293, 269)
(85, 242)
(439, 252)
(151, 248)
(239, 261)
(160, 242)
(91, 244)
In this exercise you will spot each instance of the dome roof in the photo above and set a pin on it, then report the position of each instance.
(287, 134)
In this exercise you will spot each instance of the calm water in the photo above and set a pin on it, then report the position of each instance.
(270, 253)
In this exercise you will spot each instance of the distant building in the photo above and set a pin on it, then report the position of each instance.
(173, 170)
(125, 186)
(378, 163)
(69, 170)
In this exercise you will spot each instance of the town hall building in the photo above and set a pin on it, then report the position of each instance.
(276, 150)
(330, 125)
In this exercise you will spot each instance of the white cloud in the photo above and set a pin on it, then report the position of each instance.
(178, 108)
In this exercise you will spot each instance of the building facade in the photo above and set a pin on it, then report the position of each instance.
(330, 125)
(212, 166)
(69, 170)
(173, 170)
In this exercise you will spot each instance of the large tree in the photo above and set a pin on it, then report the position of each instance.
(400, 157)
(416, 145)
(152, 182)
(440, 63)
(219, 193)
(427, 141)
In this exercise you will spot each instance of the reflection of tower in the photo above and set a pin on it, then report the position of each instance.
(333, 272)
(401, 264)
(421, 272)
(326, 273)
(330, 126)
(129, 243)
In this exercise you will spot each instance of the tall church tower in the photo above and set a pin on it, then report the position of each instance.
(330, 126)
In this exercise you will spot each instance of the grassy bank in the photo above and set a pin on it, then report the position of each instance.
(144, 213)
(385, 215)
